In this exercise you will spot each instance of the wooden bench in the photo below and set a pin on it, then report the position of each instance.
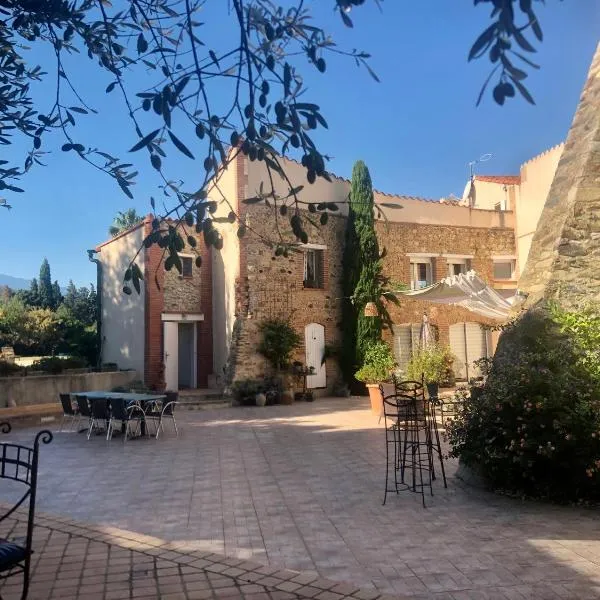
(31, 414)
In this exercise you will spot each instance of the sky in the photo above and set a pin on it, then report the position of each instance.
(417, 129)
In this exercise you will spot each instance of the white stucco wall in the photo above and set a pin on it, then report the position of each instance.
(123, 327)
(225, 270)
(536, 178)
(489, 194)
(413, 210)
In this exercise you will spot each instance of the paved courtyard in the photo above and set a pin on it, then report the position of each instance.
(300, 488)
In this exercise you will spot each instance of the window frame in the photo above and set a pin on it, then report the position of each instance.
(183, 257)
(503, 261)
(421, 260)
(465, 263)
(318, 281)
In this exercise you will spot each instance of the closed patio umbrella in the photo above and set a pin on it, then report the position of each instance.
(426, 337)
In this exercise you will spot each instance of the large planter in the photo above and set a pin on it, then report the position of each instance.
(433, 389)
(287, 397)
(376, 399)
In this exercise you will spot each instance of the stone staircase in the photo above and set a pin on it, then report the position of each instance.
(202, 399)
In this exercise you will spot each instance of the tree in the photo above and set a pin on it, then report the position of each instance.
(57, 296)
(363, 280)
(6, 293)
(45, 286)
(123, 221)
(71, 295)
(30, 297)
(248, 95)
(81, 303)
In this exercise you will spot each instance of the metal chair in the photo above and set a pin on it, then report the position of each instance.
(427, 417)
(20, 464)
(100, 415)
(121, 411)
(404, 425)
(68, 411)
(85, 412)
(167, 411)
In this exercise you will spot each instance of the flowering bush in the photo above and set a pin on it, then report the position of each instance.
(534, 427)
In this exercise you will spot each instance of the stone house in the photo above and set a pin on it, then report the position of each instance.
(202, 327)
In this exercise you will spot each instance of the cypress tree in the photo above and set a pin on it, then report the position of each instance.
(361, 273)
(57, 296)
(45, 286)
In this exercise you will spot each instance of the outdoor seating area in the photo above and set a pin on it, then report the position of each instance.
(300, 487)
(19, 463)
(131, 415)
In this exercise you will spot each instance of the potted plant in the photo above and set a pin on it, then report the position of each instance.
(432, 364)
(279, 340)
(377, 367)
(245, 391)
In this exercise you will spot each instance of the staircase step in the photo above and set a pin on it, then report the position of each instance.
(202, 399)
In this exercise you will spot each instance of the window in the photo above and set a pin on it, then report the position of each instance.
(186, 266)
(504, 269)
(314, 269)
(420, 274)
(458, 266)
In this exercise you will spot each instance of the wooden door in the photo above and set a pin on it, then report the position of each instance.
(171, 355)
(314, 339)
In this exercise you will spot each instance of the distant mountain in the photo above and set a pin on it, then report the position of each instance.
(15, 283)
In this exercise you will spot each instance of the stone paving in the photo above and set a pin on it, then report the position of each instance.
(300, 488)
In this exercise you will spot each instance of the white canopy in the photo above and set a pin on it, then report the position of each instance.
(469, 291)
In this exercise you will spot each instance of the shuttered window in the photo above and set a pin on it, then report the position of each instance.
(469, 342)
(406, 339)
(314, 269)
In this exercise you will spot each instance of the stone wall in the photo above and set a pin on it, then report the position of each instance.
(184, 294)
(273, 286)
(169, 292)
(564, 254)
(401, 239)
(40, 389)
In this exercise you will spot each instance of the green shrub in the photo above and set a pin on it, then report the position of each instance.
(279, 340)
(433, 363)
(9, 369)
(533, 428)
(244, 390)
(55, 365)
(379, 364)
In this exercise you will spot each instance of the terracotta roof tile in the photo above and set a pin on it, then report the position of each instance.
(506, 179)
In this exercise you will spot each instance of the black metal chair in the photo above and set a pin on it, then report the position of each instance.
(20, 463)
(69, 412)
(84, 409)
(403, 428)
(165, 411)
(427, 419)
(100, 415)
(126, 414)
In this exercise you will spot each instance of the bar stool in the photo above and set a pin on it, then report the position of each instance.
(406, 431)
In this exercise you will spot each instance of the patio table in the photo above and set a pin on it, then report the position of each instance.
(128, 397)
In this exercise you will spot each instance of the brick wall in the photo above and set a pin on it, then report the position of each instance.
(273, 286)
(402, 238)
(177, 294)
(154, 284)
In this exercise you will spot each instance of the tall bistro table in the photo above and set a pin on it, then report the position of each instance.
(130, 398)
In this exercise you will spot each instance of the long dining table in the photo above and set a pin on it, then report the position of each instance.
(129, 397)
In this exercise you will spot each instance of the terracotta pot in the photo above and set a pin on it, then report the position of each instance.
(376, 399)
